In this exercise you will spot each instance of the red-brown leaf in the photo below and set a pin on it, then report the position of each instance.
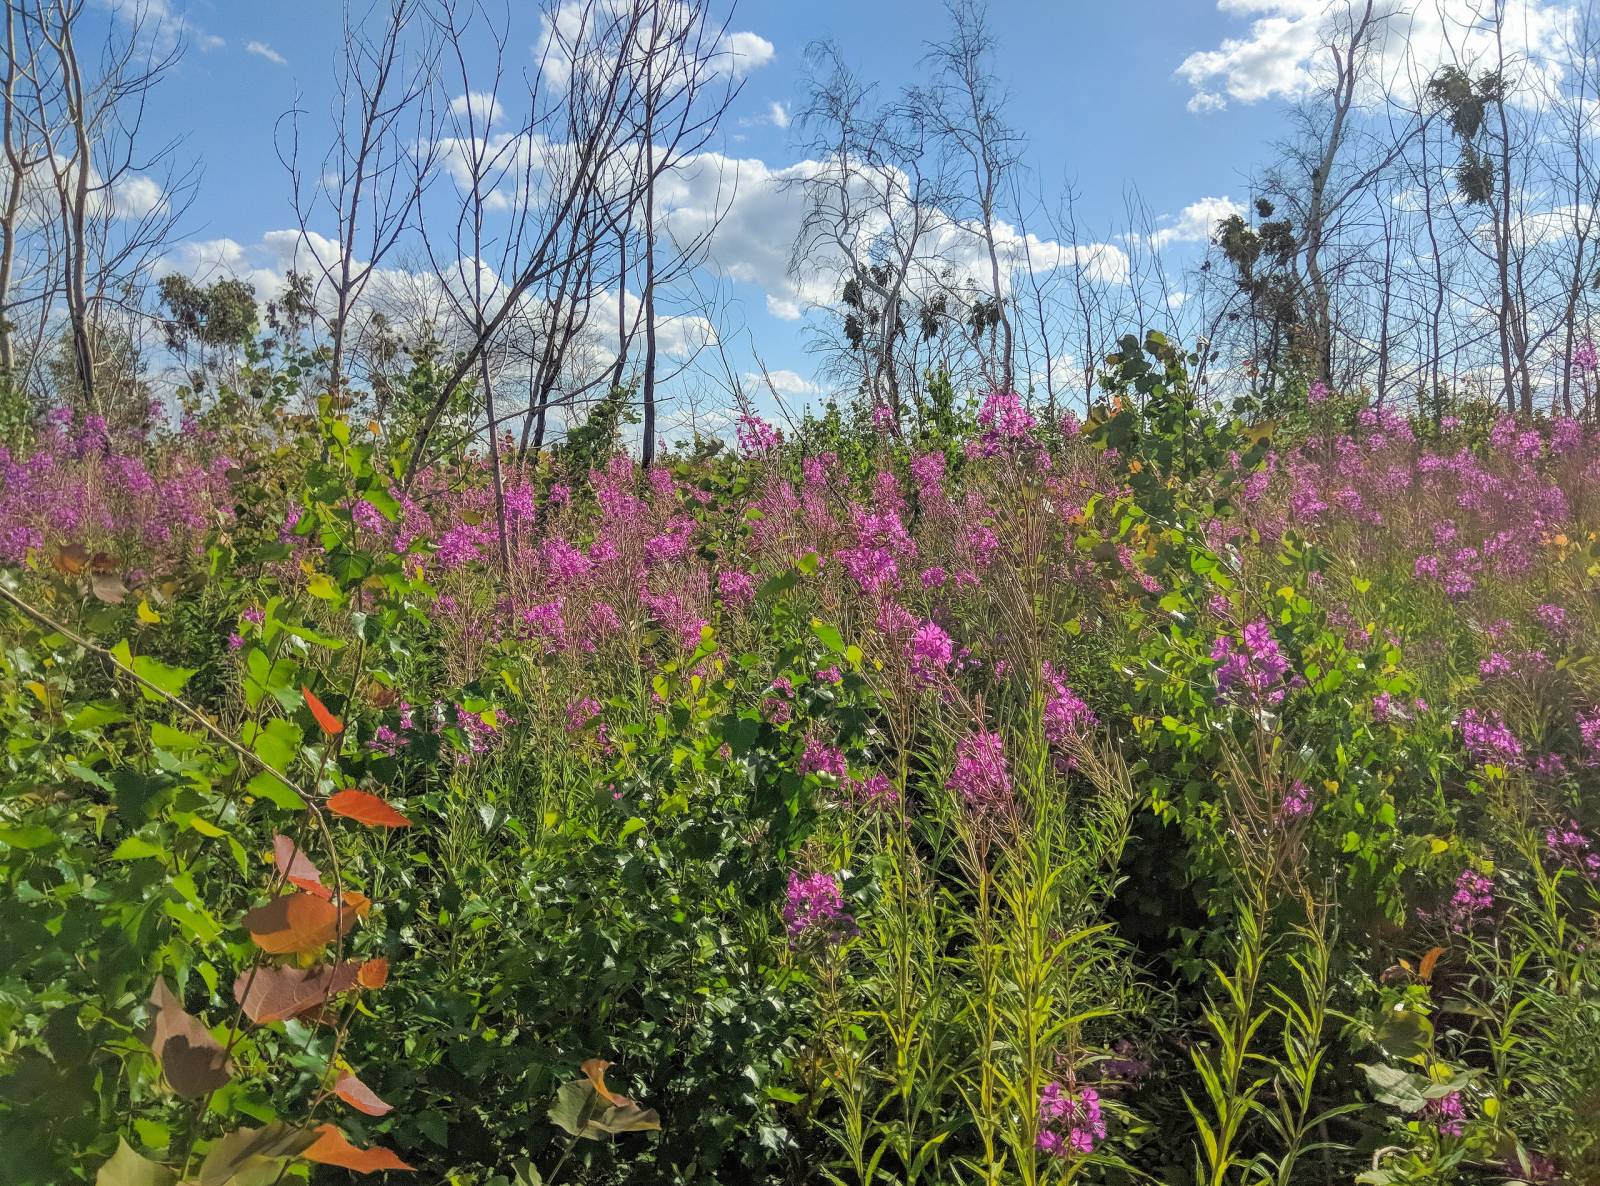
(329, 724)
(359, 1096)
(366, 809)
(1425, 968)
(277, 994)
(333, 1148)
(192, 1060)
(595, 1071)
(71, 559)
(374, 973)
(300, 922)
(297, 868)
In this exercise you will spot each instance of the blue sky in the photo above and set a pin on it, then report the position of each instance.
(1178, 98)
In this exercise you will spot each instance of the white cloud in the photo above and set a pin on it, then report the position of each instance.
(481, 108)
(747, 52)
(1284, 54)
(756, 213)
(1195, 223)
(788, 383)
(777, 114)
(163, 28)
(262, 50)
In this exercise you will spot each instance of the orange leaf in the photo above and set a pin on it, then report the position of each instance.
(297, 868)
(330, 724)
(333, 1148)
(277, 994)
(595, 1070)
(374, 973)
(359, 1096)
(1425, 968)
(300, 922)
(366, 809)
(71, 559)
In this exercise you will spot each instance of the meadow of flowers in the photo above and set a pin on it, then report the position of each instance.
(1169, 796)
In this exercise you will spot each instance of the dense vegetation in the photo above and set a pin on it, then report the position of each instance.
(1174, 796)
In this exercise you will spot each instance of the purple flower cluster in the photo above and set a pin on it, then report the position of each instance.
(1070, 1120)
(1488, 740)
(931, 651)
(1569, 845)
(982, 775)
(1447, 1114)
(1066, 717)
(756, 436)
(1251, 667)
(814, 908)
(1298, 802)
(1473, 898)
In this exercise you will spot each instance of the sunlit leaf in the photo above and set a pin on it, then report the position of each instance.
(298, 922)
(277, 994)
(248, 1149)
(366, 809)
(1425, 968)
(359, 1096)
(326, 721)
(333, 1148)
(296, 868)
(374, 973)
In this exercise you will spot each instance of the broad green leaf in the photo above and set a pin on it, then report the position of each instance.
(127, 1168)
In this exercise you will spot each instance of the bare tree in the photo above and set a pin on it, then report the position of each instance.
(79, 170)
(965, 108)
(370, 181)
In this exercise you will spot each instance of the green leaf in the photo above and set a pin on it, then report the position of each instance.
(29, 836)
(127, 1168)
(1396, 1087)
(174, 740)
(134, 849)
(828, 634)
(169, 679)
(275, 791)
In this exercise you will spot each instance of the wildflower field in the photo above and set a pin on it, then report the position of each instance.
(1179, 795)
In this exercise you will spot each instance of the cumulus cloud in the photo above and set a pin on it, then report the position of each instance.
(1195, 223)
(746, 52)
(262, 50)
(1284, 53)
(784, 382)
(756, 212)
(777, 114)
(481, 108)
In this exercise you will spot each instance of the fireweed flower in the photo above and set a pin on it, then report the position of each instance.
(822, 759)
(1589, 736)
(931, 651)
(1250, 668)
(1066, 717)
(814, 908)
(735, 587)
(1553, 618)
(875, 792)
(1568, 845)
(982, 776)
(1298, 802)
(1488, 740)
(1447, 1114)
(756, 436)
(1473, 898)
(1070, 1120)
